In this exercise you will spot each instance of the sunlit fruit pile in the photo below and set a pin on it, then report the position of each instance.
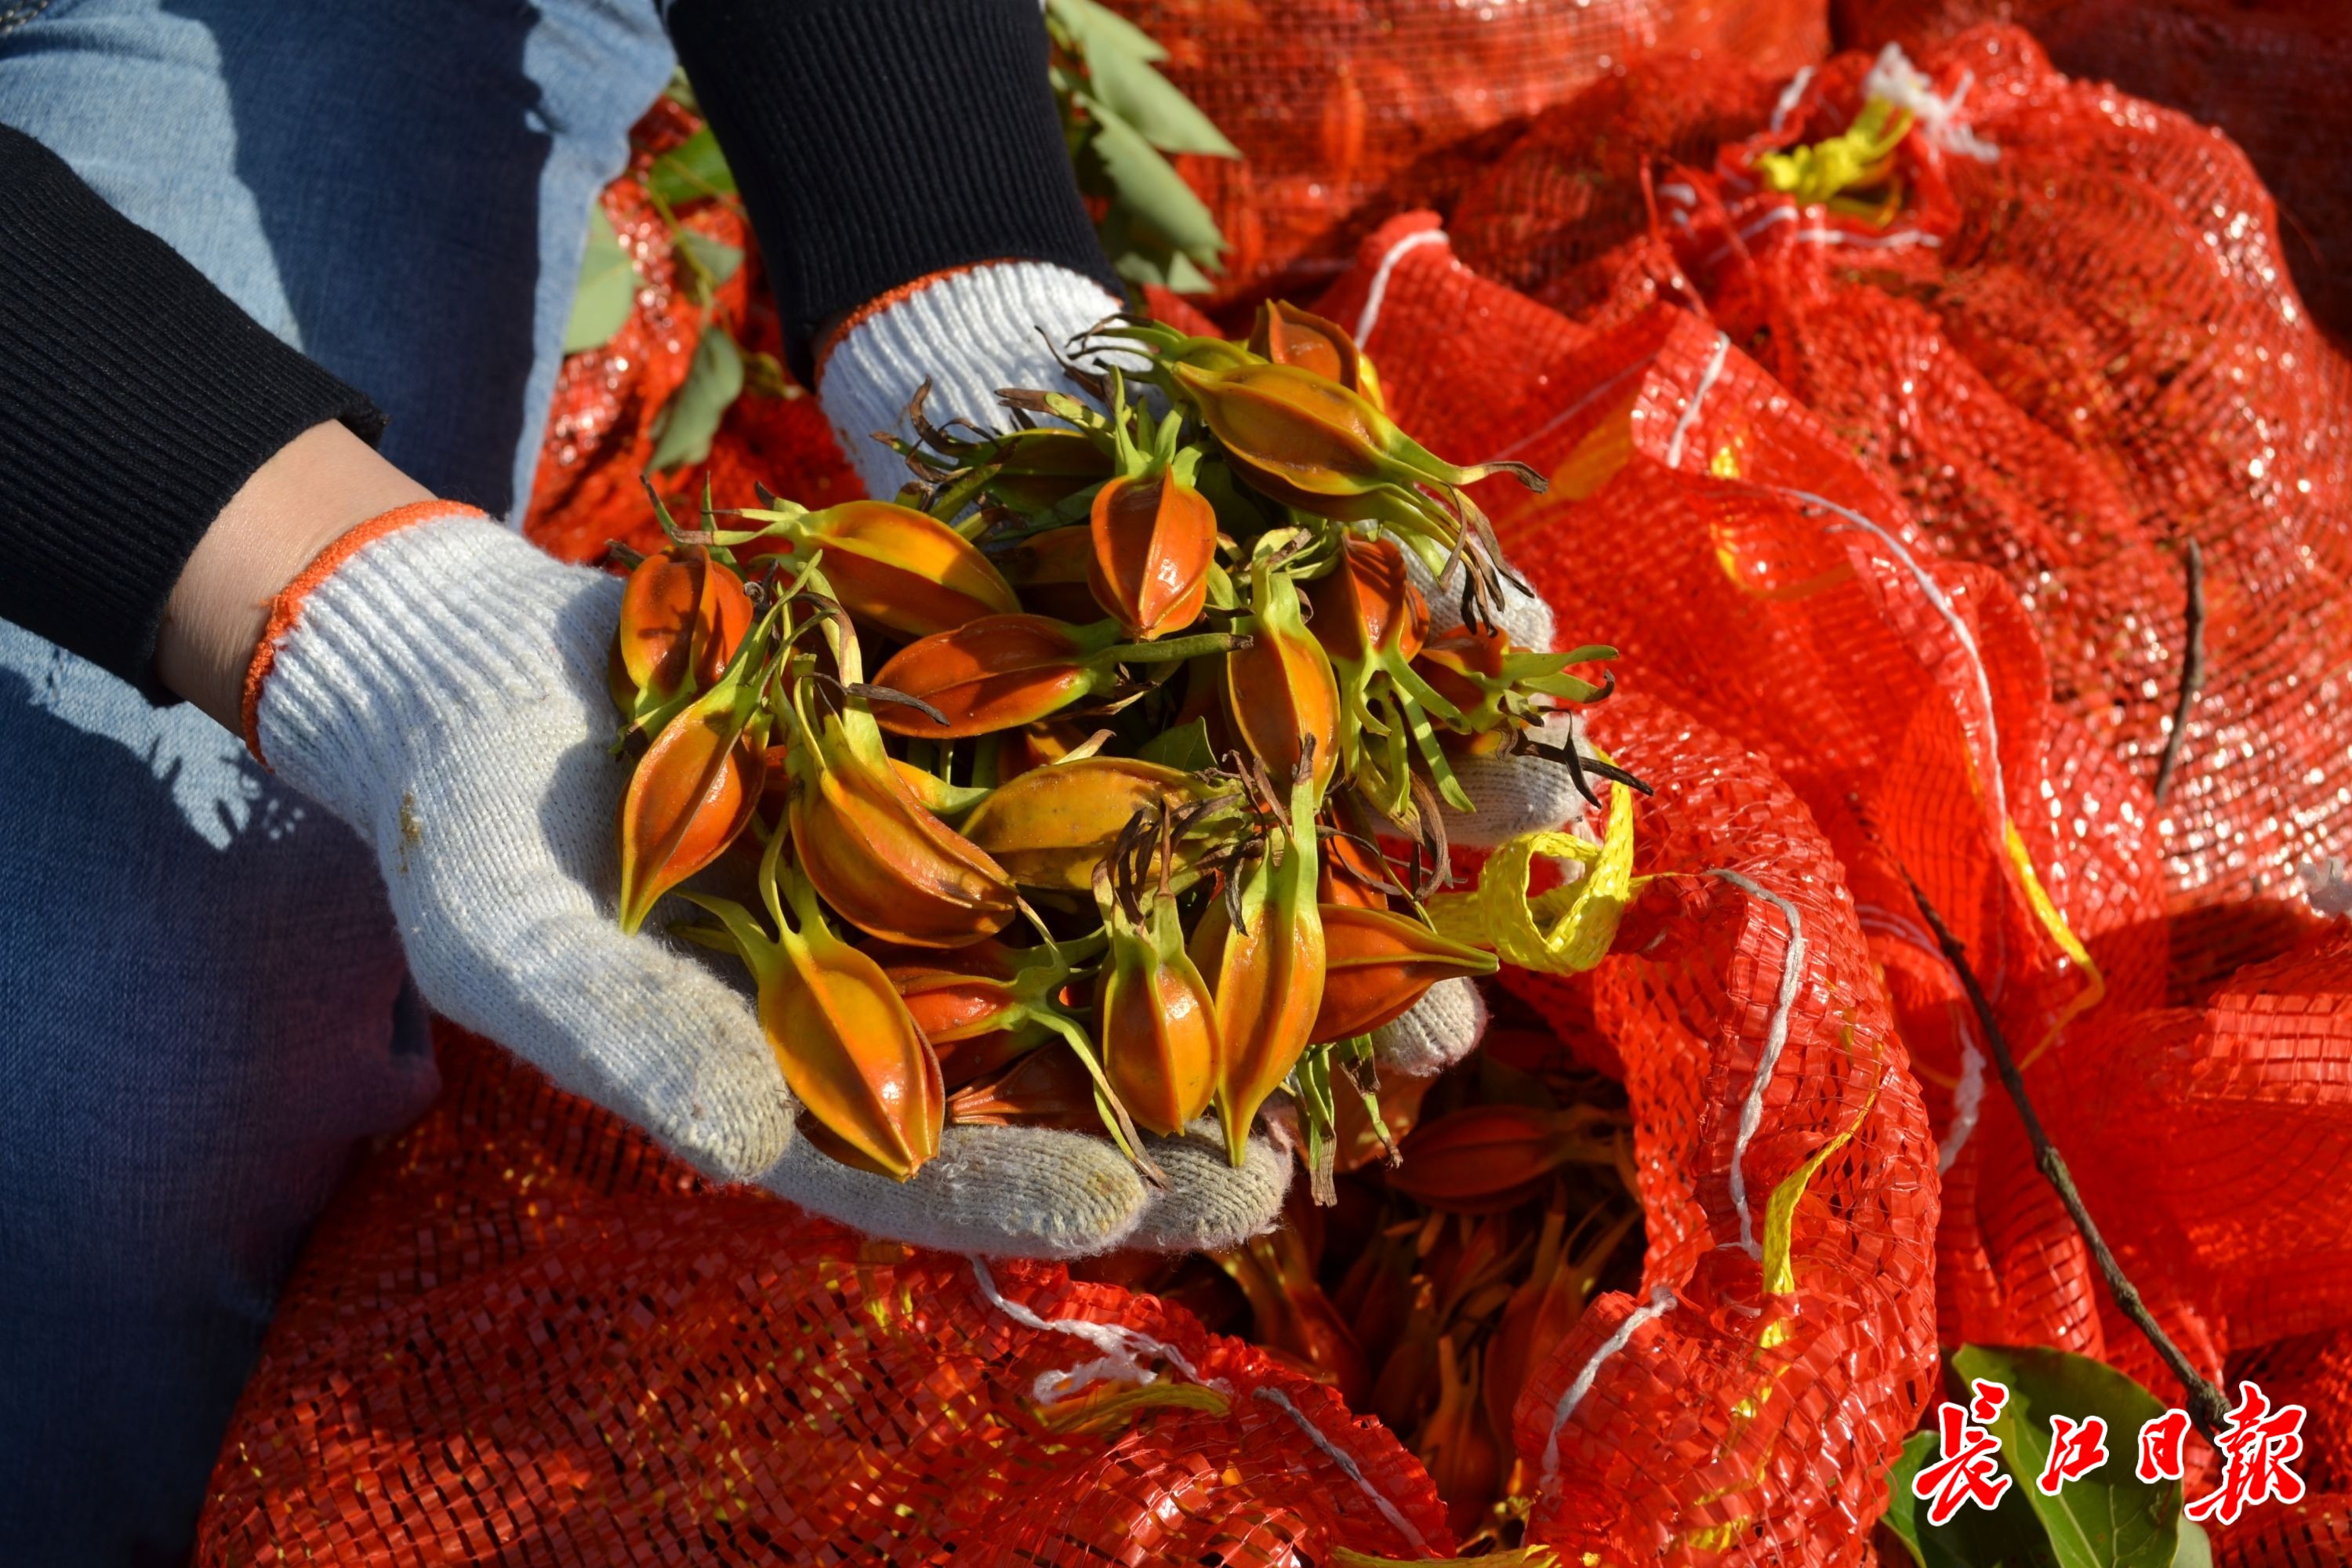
(1098, 781)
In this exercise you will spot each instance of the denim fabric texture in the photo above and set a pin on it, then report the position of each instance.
(204, 1016)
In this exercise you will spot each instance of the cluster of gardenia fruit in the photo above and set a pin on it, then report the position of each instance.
(1097, 781)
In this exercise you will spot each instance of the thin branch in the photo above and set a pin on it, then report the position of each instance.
(2207, 1406)
(2192, 671)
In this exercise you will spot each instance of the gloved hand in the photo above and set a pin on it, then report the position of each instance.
(439, 684)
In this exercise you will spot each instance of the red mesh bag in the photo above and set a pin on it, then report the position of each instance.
(524, 1334)
(2263, 72)
(1349, 111)
(2067, 362)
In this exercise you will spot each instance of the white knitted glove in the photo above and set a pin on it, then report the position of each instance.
(1435, 1033)
(439, 684)
(970, 334)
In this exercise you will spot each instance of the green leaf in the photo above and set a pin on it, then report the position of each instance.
(1149, 187)
(2196, 1550)
(712, 384)
(716, 257)
(2007, 1537)
(1186, 749)
(1100, 30)
(608, 287)
(1184, 277)
(1162, 114)
(2110, 1518)
(693, 169)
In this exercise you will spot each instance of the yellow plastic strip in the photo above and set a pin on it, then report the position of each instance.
(2045, 910)
(1519, 1557)
(1856, 156)
(1565, 930)
(1780, 1209)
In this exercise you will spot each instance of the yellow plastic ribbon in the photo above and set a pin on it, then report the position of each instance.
(1565, 930)
(1517, 1557)
(1858, 156)
(1780, 1208)
(2045, 910)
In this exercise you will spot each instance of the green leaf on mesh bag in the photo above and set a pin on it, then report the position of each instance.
(2196, 1550)
(693, 169)
(2110, 1518)
(713, 382)
(1152, 103)
(717, 259)
(1097, 30)
(2009, 1537)
(1150, 188)
(608, 287)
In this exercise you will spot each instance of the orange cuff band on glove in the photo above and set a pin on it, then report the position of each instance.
(285, 609)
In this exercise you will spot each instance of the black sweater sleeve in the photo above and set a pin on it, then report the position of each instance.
(135, 399)
(875, 142)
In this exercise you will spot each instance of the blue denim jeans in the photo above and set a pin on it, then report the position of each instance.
(203, 1013)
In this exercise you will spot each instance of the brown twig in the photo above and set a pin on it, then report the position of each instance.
(2207, 1406)
(2192, 671)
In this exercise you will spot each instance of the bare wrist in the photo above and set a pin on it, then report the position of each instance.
(317, 487)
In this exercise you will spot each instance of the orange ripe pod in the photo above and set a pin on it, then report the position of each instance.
(1366, 606)
(1291, 1315)
(1051, 826)
(1280, 695)
(884, 864)
(850, 1051)
(1285, 334)
(1541, 1312)
(987, 674)
(693, 791)
(1464, 1460)
(1045, 1087)
(902, 569)
(1486, 1158)
(1154, 539)
(962, 1015)
(683, 616)
(1004, 671)
(1352, 875)
(1265, 972)
(1157, 1022)
(1050, 571)
(1465, 666)
(1035, 745)
(1376, 963)
(1307, 440)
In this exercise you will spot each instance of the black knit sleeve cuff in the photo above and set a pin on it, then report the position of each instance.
(135, 400)
(877, 142)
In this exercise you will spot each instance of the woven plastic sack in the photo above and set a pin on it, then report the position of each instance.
(1349, 111)
(1752, 573)
(2072, 359)
(2263, 72)
(525, 1335)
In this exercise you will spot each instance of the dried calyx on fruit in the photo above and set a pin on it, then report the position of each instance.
(1149, 678)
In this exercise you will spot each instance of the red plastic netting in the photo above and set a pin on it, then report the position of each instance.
(525, 1334)
(2264, 72)
(1887, 532)
(2067, 362)
(1349, 111)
